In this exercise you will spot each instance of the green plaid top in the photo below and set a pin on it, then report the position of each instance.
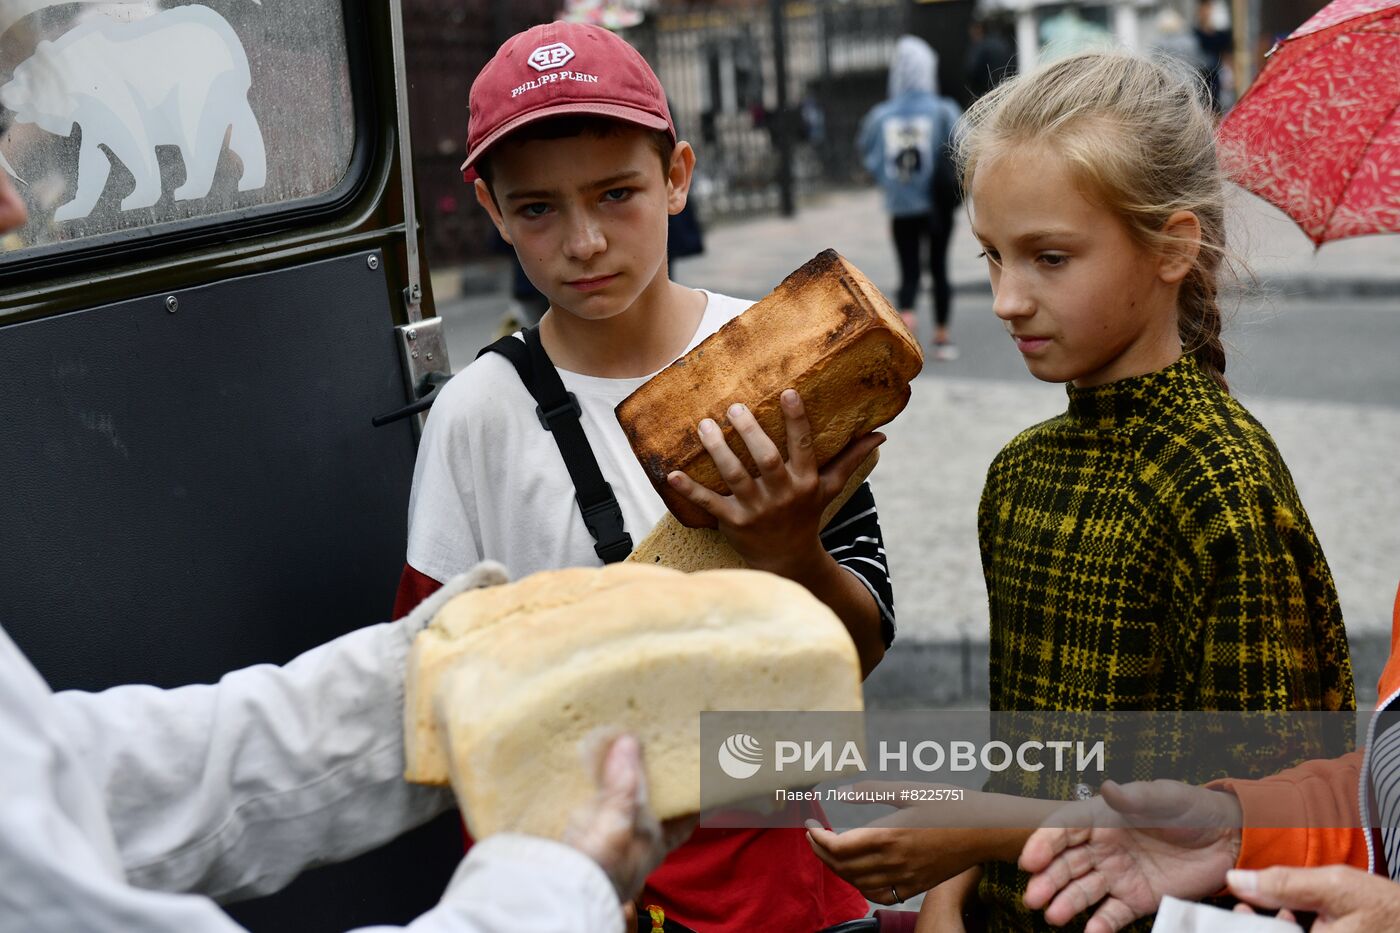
(1147, 550)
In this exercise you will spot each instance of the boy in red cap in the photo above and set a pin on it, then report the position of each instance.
(579, 167)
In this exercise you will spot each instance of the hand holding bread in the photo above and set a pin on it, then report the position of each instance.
(617, 829)
(671, 544)
(758, 428)
(773, 520)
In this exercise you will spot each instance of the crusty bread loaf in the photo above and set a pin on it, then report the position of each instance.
(825, 331)
(646, 656)
(454, 630)
(671, 544)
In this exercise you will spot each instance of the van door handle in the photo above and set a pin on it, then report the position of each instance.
(426, 390)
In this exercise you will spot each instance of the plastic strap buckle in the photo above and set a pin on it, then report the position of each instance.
(570, 408)
(604, 523)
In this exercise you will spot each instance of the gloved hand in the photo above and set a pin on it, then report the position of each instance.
(618, 830)
(487, 573)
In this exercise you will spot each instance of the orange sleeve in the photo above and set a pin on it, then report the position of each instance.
(414, 587)
(1390, 676)
(1322, 795)
(1325, 793)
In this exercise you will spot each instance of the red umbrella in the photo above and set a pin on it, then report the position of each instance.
(1318, 134)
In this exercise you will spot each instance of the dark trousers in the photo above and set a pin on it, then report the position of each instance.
(909, 234)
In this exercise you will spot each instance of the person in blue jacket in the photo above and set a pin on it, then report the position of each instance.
(903, 142)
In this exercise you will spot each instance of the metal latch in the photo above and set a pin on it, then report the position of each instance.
(426, 369)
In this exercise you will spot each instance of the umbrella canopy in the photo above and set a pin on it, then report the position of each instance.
(1318, 134)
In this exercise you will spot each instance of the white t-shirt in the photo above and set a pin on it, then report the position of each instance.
(490, 482)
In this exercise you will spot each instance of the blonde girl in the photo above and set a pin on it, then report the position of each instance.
(1146, 549)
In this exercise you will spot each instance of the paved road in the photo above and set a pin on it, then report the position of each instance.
(1342, 350)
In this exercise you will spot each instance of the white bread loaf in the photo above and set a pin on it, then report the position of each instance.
(646, 656)
(453, 630)
(825, 331)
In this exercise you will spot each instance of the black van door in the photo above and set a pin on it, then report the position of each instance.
(214, 296)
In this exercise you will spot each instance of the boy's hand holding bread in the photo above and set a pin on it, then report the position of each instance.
(773, 520)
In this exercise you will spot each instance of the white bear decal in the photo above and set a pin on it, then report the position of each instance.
(177, 78)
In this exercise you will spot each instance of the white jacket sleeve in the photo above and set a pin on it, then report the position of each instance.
(56, 881)
(231, 790)
(523, 884)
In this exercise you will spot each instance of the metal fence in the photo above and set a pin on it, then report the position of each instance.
(769, 92)
(446, 43)
(771, 95)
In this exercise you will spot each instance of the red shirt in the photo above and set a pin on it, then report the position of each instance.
(723, 880)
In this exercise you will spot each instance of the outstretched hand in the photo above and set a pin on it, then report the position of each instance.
(920, 846)
(773, 520)
(1129, 848)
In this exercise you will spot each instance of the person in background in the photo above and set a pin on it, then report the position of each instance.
(990, 59)
(901, 142)
(1174, 38)
(1217, 44)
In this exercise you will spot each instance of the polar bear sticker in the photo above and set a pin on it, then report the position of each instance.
(177, 78)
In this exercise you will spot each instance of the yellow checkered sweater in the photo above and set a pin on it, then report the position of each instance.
(1146, 550)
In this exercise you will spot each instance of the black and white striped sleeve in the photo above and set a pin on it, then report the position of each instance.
(1384, 764)
(853, 538)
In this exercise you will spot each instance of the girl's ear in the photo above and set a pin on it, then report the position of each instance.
(487, 200)
(678, 177)
(1183, 244)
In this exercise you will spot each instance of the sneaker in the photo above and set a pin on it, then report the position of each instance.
(945, 352)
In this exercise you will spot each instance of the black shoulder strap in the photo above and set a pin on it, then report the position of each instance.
(559, 412)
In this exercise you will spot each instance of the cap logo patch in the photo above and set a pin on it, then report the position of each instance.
(549, 57)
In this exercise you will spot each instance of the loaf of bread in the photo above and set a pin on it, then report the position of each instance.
(825, 331)
(671, 544)
(456, 628)
(646, 655)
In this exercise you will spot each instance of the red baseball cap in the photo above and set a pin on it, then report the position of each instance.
(558, 69)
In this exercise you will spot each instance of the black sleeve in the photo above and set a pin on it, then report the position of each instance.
(853, 538)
